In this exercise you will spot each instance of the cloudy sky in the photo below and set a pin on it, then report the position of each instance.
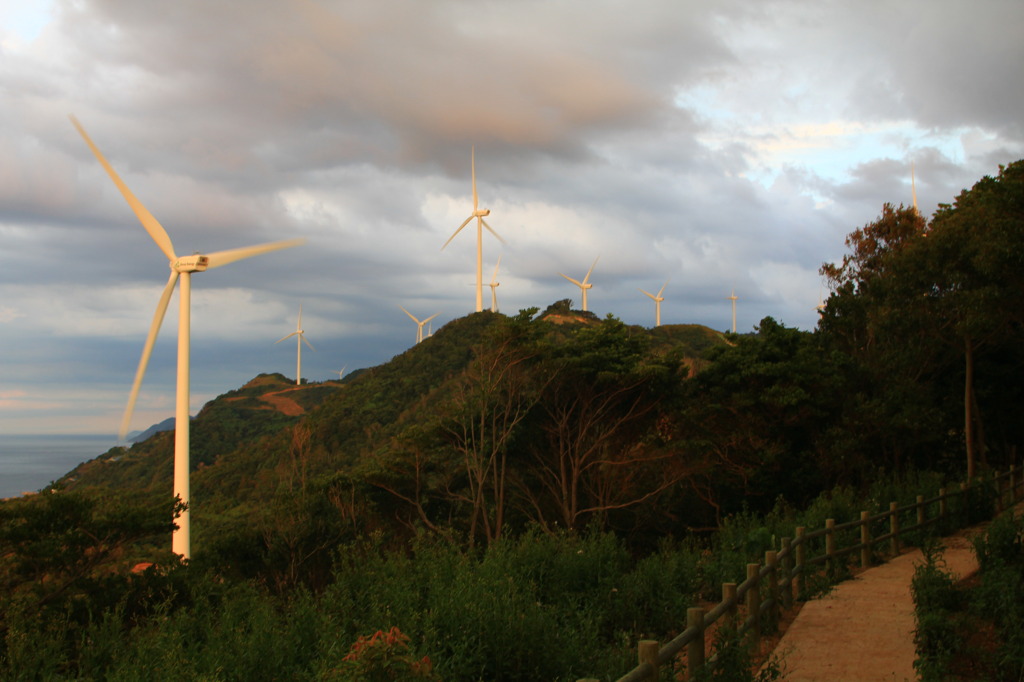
(717, 145)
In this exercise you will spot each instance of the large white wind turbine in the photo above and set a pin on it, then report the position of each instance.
(733, 298)
(657, 303)
(300, 336)
(479, 214)
(419, 323)
(494, 284)
(181, 269)
(584, 285)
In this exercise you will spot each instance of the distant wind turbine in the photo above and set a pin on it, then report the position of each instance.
(479, 214)
(733, 298)
(657, 303)
(300, 336)
(181, 269)
(419, 323)
(494, 286)
(584, 285)
(341, 373)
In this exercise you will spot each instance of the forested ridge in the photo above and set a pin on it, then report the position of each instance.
(517, 438)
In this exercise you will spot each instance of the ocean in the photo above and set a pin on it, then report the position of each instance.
(28, 463)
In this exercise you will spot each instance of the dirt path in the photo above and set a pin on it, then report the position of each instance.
(863, 631)
(283, 403)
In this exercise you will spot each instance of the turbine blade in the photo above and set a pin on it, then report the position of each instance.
(220, 258)
(153, 227)
(286, 337)
(495, 275)
(574, 281)
(301, 336)
(430, 318)
(147, 350)
(590, 270)
(410, 315)
(299, 323)
(456, 232)
(662, 290)
(491, 230)
(650, 295)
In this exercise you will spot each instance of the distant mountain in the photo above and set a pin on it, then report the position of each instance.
(139, 436)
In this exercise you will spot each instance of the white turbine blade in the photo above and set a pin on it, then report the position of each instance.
(147, 350)
(220, 258)
(491, 230)
(456, 232)
(662, 290)
(650, 295)
(410, 315)
(590, 270)
(496, 266)
(301, 336)
(298, 325)
(430, 318)
(153, 227)
(286, 337)
(574, 281)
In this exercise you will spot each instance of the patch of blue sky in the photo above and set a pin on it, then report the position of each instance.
(22, 21)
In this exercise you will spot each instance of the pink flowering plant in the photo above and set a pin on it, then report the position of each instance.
(383, 657)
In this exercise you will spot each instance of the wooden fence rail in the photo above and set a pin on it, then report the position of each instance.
(782, 578)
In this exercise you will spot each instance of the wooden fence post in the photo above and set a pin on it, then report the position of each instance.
(865, 540)
(894, 528)
(695, 649)
(729, 617)
(771, 560)
(647, 652)
(801, 563)
(830, 538)
(787, 573)
(754, 608)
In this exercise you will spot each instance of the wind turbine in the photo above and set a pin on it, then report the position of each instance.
(494, 286)
(181, 269)
(479, 214)
(419, 323)
(733, 298)
(584, 285)
(657, 303)
(341, 373)
(300, 336)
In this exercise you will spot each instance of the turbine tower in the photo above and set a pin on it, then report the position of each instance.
(419, 323)
(657, 303)
(181, 269)
(733, 298)
(300, 336)
(494, 286)
(584, 285)
(479, 214)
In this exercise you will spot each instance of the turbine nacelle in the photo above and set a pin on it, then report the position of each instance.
(194, 263)
(481, 212)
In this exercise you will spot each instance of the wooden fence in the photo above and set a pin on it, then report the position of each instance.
(782, 578)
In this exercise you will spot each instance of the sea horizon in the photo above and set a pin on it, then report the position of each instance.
(30, 462)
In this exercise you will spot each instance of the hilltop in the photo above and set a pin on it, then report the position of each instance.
(245, 443)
